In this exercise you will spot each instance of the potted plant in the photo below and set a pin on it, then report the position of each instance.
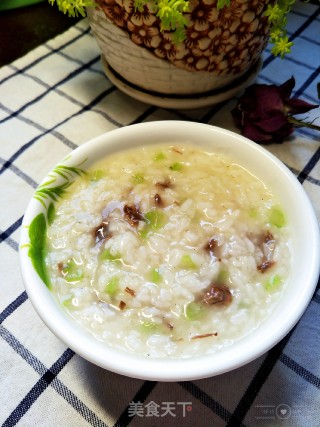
(183, 53)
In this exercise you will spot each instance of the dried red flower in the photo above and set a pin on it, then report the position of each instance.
(264, 112)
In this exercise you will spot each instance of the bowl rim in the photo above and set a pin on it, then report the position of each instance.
(167, 369)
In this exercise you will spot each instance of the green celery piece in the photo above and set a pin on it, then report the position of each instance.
(97, 175)
(112, 286)
(253, 212)
(177, 167)
(273, 283)
(138, 178)
(72, 272)
(155, 276)
(106, 255)
(155, 220)
(193, 310)
(187, 263)
(148, 326)
(277, 218)
(67, 303)
(159, 156)
(38, 245)
(243, 305)
(223, 277)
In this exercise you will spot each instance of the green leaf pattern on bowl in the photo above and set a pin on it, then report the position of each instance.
(37, 247)
(47, 190)
(48, 193)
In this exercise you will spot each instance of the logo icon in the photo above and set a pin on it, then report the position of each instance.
(283, 411)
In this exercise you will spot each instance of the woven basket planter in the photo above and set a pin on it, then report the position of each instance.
(219, 56)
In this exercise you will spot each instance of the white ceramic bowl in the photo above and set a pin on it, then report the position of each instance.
(294, 300)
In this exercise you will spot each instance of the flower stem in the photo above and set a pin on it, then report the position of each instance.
(300, 123)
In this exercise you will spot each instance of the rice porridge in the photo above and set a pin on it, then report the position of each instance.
(167, 250)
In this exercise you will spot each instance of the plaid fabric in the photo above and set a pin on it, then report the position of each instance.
(55, 99)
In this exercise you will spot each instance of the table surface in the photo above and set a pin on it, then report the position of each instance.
(54, 99)
(22, 29)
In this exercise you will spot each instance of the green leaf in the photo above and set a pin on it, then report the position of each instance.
(73, 8)
(37, 249)
(179, 35)
(222, 3)
(139, 5)
(171, 15)
(282, 46)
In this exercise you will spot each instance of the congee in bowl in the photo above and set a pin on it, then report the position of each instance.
(170, 250)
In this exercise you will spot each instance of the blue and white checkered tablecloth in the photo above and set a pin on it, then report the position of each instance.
(51, 101)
